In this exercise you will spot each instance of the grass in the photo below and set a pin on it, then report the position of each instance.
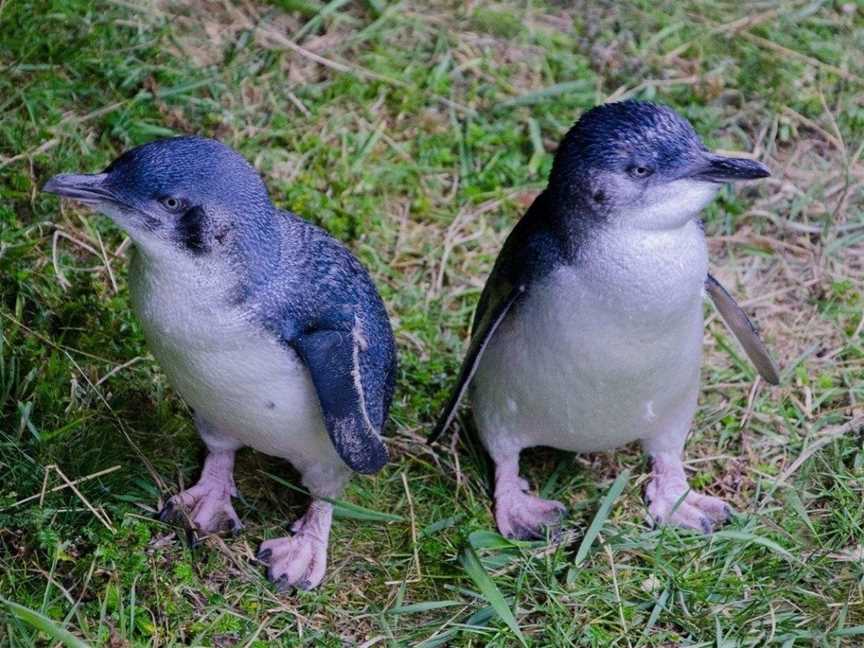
(418, 133)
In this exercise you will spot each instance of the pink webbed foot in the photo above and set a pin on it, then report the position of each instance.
(522, 516)
(670, 501)
(300, 560)
(206, 507)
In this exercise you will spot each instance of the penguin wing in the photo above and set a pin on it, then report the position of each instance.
(736, 319)
(529, 253)
(353, 414)
(491, 312)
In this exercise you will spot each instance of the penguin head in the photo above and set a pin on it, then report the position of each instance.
(187, 195)
(642, 165)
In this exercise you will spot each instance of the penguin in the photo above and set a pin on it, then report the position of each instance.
(269, 328)
(588, 333)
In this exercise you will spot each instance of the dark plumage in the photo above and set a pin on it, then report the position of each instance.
(571, 339)
(270, 329)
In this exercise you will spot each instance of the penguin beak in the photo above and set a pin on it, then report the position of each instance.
(719, 169)
(86, 188)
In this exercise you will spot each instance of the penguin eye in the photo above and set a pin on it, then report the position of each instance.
(641, 171)
(172, 204)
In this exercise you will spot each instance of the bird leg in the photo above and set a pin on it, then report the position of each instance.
(206, 507)
(517, 513)
(671, 501)
(300, 560)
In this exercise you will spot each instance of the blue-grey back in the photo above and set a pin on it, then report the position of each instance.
(316, 282)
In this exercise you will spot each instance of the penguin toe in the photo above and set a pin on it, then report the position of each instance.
(282, 585)
(521, 531)
(706, 524)
(305, 584)
(695, 511)
(234, 526)
(168, 512)
(714, 507)
(215, 515)
(205, 508)
(521, 516)
(194, 539)
(297, 561)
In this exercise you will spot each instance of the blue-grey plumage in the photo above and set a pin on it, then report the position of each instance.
(269, 328)
(588, 331)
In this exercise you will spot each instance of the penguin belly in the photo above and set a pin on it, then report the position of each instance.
(236, 376)
(601, 353)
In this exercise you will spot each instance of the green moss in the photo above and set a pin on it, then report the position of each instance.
(466, 116)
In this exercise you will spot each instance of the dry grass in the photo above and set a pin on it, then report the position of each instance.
(418, 133)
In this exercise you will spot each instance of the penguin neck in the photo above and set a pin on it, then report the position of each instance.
(237, 268)
(256, 250)
(656, 276)
(174, 275)
(573, 219)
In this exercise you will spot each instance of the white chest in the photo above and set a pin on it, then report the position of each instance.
(648, 277)
(600, 354)
(233, 374)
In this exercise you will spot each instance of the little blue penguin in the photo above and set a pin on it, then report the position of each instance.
(588, 333)
(269, 329)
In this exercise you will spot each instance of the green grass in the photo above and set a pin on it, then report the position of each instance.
(419, 142)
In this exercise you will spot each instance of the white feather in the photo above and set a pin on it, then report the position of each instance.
(600, 354)
(232, 373)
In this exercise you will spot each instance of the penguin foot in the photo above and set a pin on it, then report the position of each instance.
(300, 560)
(668, 504)
(525, 517)
(206, 507)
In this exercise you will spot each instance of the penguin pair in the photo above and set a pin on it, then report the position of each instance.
(587, 336)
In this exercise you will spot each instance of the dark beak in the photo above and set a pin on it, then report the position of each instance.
(719, 168)
(88, 188)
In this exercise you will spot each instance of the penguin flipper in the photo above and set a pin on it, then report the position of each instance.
(490, 316)
(333, 358)
(530, 252)
(738, 322)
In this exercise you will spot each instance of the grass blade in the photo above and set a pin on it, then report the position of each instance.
(597, 523)
(489, 540)
(580, 87)
(414, 608)
(749, 537)
(659, 606)
(43, 624)
(474, 568)
(601, 516)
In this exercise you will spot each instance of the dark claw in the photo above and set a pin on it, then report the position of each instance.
(706, 525)
(304, 585)
(192, 539)
(516, 534)
(282, 584)
(167, 512)
(522, 532)
(263, 556)
(221, 524)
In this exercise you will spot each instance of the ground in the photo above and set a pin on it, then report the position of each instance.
(418, 132)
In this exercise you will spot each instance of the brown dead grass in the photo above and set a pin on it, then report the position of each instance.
(781, 261)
